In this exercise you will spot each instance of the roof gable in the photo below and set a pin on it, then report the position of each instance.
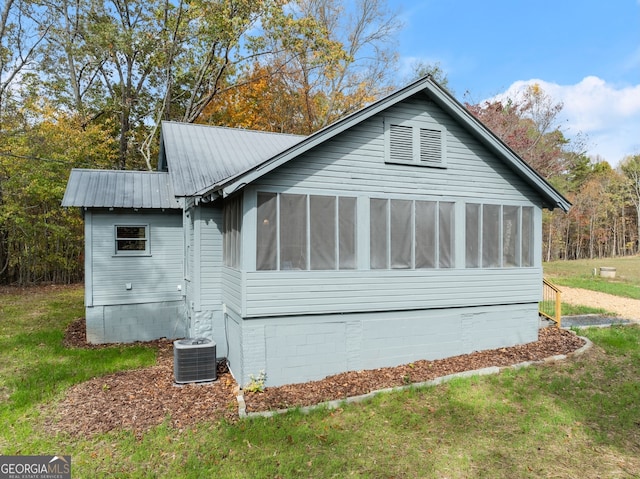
(221, 162)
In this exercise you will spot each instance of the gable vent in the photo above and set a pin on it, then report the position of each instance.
(430, 145)
(401, 143)
(194, 360)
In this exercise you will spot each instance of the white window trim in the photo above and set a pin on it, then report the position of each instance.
(415, 149)
(308, 196)
(436, 226)
(146, 239)
(500, 235)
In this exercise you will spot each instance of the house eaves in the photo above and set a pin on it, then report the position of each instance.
(198, 156)
(552, 198)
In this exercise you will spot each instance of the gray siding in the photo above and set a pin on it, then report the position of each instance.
(301, 292)
(353, 162)
(210, 257)
(189, 267)
(232, 289)
(305, 325)
(154, 306)
(153, 278)
(204, 259)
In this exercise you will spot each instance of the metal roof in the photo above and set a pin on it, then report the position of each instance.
(203, 160)
(199, 156)
(119, 189)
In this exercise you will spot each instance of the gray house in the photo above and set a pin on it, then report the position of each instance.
(404, 231)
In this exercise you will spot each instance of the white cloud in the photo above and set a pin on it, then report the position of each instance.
(608, 115)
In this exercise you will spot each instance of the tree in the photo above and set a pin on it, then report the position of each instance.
(528, 126)
(72, 67)
(141, 61)
(23, 27)
(360, 73)
(205, 44)
(43, 242)
(630, 167)
(420, 69)
(326, 61)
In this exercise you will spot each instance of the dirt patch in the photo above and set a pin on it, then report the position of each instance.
(140, 399)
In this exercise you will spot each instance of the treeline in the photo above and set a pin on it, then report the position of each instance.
(86, 83)
(603, 221)
(604, 218)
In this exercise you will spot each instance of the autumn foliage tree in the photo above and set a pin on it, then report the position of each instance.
(630, 167)
(87, 83)
(326, 60)
(528, 125)
(42, 241)
(599, 222)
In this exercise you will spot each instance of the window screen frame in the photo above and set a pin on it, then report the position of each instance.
(344, 236)
(423, 253)
(133, 252)
(521, 241)
(232, 218)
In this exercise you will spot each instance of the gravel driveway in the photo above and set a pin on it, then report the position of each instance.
(624, 307)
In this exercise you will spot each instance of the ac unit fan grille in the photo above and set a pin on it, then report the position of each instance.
(194, 360)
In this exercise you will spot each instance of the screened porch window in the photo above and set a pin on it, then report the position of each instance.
(131, 240)
(232, 224)
(407, 234)
(305, 232)
(498, 236)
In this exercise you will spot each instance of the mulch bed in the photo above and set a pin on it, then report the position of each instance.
(140, 399)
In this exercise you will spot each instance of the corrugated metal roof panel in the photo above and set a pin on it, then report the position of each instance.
(200, 156)
(119, 189)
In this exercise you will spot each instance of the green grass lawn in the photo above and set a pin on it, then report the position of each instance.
(577, 418)
(579, 274)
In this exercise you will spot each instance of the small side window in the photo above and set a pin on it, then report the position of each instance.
(132, 239)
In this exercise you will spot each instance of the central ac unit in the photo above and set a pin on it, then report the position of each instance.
(194, 360)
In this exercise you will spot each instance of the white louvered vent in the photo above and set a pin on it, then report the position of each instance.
(430, 146)
(401, 143)
(409, 143)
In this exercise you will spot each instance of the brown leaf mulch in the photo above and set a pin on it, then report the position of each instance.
(140, 399)
(551, 342)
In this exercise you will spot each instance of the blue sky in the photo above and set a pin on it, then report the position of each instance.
(584, 53)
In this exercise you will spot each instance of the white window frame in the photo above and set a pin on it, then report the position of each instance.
(136, 252)
(414, 157)
(438, 258)
(339, 265)
(523, 259)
